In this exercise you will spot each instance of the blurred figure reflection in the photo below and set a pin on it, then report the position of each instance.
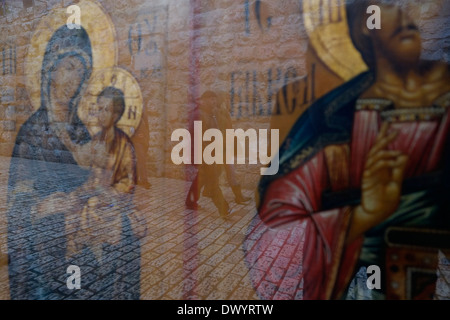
(214, 116)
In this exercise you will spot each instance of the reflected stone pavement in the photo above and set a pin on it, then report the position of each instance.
(186, 254)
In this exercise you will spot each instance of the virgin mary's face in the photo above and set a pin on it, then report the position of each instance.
(66, 78)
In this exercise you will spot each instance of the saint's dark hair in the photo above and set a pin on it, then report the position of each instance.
(356, 19)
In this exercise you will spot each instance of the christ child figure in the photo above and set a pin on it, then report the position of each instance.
(110, 187)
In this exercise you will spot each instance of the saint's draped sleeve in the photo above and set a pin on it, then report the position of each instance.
(123, 168)
(295, 199)
(124, 182)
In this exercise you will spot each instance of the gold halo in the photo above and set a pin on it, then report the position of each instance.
(328, 33)
(120, 79)
(101, 32)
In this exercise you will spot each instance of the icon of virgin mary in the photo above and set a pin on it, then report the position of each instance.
(48, 183)
(39, 167)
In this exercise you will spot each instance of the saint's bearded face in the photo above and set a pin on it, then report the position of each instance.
(399, 38)
(66, 79)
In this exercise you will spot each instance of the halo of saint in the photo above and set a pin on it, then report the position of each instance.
(118, 78)
(326, 25)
